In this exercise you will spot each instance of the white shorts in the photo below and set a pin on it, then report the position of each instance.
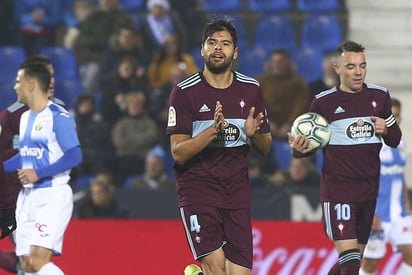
(42, 216)
(396, 233)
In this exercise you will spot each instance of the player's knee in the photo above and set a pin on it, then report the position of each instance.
(213, 265)
(32, 264)
(25, 264)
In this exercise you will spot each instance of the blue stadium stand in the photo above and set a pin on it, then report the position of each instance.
(10, 57)
(274, 32)
(251, 61)
(321, 31)
(312, 6)
(222, 5)
(308, 63)
(266, 6)
(64, 62)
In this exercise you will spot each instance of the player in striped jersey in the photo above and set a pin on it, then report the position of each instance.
(48, 149)
(9, 183)
(214, 117)
(360, 117)
(393, 221)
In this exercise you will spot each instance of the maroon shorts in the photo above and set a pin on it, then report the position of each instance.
(210, 228)
(345, 221)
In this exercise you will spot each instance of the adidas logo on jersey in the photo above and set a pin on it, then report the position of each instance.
(204, 109)
(339, 110)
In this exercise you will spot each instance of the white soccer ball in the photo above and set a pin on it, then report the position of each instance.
(314, 127)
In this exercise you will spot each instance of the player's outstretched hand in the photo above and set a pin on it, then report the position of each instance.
(300, 146)
(252, 124)
(7, 222)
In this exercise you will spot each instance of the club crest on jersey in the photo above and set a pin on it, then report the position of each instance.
(360, 130)
(171, 120)
(230, 135)
(242, 105)
(341, 227)
(38, 126)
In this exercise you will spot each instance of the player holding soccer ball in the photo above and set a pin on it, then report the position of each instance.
(359, 116)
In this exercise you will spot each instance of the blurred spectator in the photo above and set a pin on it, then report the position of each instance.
(329, 77)
(155, 175)
(170, 53)
(127, 78)
(37, 22)
(125, 43)
(100, 202)
(94, 137)
(160, 22)
(192, 15)
(94, 36)
(286, 96)
(6, 22)
(301, 172)
(285, 93)
(159, 97)
(133, 136)
(76, 13)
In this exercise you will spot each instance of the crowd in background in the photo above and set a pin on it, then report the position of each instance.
(128, 61)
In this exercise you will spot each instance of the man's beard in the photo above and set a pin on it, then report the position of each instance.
(218, 68)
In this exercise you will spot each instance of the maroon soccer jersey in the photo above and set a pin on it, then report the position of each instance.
(351, 163)
(217, 176)
(9, 127)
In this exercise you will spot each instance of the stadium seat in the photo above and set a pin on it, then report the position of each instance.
(318, 5)
(309, 63)
(64, 62)
(321, 31)
(251, 61)
(240, 27)
(221, 6)
(7, 93)
(269, 5)
(132, 6)
(67, 90)
(129, 181)
(10, 57)
(83, 181)
(274, 32)
(282, 154)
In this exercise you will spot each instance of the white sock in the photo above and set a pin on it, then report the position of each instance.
(363, 272)
(404, 269)
(50, 269)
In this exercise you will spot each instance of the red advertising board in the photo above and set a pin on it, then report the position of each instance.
(130, 247)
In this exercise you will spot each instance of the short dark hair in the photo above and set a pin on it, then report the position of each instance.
(349, 46)
(38, 59)
(39, 72)
(220, 24)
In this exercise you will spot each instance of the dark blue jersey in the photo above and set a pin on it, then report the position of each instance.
(351, 163)
(217, 176)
